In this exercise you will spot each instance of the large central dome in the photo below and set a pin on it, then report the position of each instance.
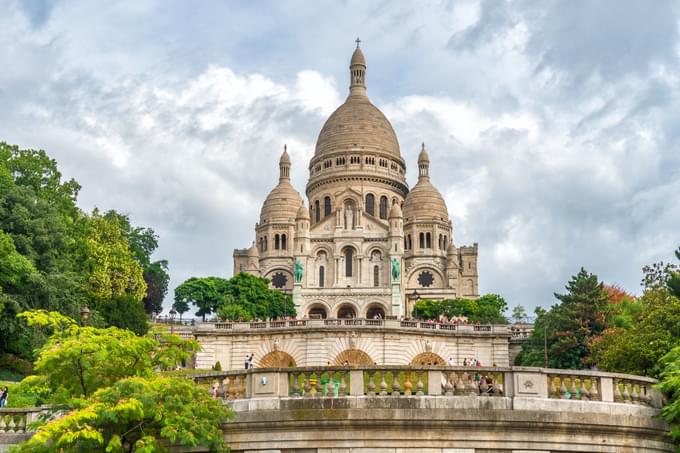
(357, 124)
(357, 142)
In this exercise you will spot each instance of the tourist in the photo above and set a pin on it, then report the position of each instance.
(465, 361)
(4, 396)
(250, 361)
(450, 362)
(247, 362)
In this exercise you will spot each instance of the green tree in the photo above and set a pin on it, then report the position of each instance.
(143, 242)
(76, 361)
(125, 312)
(571, 325)
(519, 313)
(136, 414)
(670, 386)
(113, 269)
(486, 309)
(205, 293)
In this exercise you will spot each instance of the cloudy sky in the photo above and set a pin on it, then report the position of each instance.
(553, 127)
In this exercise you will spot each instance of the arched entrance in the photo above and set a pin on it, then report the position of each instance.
(353, 357)
(317, 311)
(347, 311)
(277, 359)
(375, 311)
(428, 358)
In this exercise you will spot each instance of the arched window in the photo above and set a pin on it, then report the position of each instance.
(376, 275)
(322, 276)
(326, 206)
(277, 243)
(409, 242)
(441, 242)
(349, 254)
(421, 242)
(383, 207)
(428, 240)
(446, 243)
(265, 243)
(284, 246)
(317, 212)
(370, 204)
(405, 243)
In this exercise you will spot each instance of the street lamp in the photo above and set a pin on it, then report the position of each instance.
(84, 314)
(173, 313)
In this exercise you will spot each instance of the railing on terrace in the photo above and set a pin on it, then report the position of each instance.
(414, 381)
(18, 420)
(355, 323)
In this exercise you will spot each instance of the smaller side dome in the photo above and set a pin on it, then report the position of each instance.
(423, 157)
(451, 249)
(395, 212)
(285, 158)
(303, 213)
(252, 251)
(424, 202)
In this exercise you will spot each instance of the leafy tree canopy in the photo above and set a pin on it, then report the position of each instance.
(136, 414)
(571, 325)
(670, 385)
(486, 309)
(77, 361)
(242, 297)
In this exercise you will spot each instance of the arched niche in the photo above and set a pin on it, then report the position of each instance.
(277, 359)
(317, 310)
(374, 309)
(346, 310)
(428, 358)
(353, 357)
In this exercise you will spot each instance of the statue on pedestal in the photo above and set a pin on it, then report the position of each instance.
(298, 271)
(396, 269)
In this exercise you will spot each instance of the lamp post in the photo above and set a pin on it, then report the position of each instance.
(173, 313)
(84, 315)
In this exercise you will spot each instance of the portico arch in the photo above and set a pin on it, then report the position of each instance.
(277, 359)
(353, 357)
(428, 358)
(317, 309)
(346, 310)
(375, 308)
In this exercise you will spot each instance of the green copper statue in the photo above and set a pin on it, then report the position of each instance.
(298, 271)
(396, 269)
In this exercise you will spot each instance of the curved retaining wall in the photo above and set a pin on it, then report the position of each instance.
(392, 409)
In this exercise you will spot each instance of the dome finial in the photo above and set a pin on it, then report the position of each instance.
(284, 165)
(357, 72)
(423, 163)
(358, 41)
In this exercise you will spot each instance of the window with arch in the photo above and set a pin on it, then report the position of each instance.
(322, 276)
(277, 242)
(284, 245)
(383, 207)
(376, 275)
(370, 204)
(317, 212)
(428, 240)
(446, 242)
(349, 256)
(326, 206)
(409, 244)
(421, 240)
(441, 242)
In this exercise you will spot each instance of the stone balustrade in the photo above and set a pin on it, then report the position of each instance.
(408, 381)
(350, 323)
(18, 420)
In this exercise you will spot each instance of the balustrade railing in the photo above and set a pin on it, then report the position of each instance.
(569, 386)
(446, 381)
(18, 420)
(355, 322)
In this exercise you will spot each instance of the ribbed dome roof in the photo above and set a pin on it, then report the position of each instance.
(303, 213)
(282, 203)
(424, 202)
(357, 124)
(395, 211)
(358, 57)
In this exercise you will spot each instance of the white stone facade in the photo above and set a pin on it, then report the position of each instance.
(360, 217)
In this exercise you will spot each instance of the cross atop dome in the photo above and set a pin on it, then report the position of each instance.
(358, 41)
